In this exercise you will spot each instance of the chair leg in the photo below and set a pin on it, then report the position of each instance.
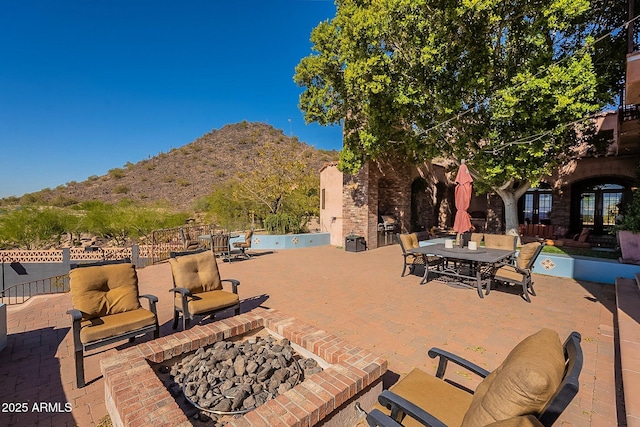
(525, 291)
(404, 270)
(238, 310)
(175, 318)
(531, 291)
(79, 358)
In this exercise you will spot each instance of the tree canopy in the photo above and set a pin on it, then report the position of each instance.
(504, 85)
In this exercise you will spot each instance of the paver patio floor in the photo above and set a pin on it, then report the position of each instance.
(359, 297)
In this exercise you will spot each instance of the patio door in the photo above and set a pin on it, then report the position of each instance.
(535, 206)
(599, 206)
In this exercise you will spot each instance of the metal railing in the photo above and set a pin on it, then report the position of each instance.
(20, 293)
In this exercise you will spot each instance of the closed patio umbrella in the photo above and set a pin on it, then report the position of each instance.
(462, 222)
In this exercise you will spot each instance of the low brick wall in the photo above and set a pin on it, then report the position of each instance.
(135, 396)
(628, 316)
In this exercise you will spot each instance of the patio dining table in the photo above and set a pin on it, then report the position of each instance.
(479, 267)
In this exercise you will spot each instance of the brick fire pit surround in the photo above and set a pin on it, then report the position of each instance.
(135, 396)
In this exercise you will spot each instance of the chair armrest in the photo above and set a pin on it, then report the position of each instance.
(397, 404)
(445, 356)
(182, 291)
(76, 318)
(234, 284)
(152, 302)
(376, 418)
(76, 315)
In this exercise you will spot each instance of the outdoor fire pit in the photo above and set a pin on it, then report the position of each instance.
(232, 378)
(153, 382)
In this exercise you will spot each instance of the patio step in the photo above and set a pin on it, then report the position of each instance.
(628, 307)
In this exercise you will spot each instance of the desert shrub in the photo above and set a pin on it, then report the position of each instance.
(631, 215)
(168, 178)
(282, 223)
(116, 173)
(121, 189)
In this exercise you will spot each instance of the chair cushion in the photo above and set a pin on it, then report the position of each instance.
(104, 290)
(204, 302)
(115, 324)
(197, 272)
(500, 241)
(522, 421)
(477, 237)
(522, 384)
(441, 399)
(409, 241)
(526, 254)
(508, 273)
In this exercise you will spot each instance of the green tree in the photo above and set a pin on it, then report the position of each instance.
(279, 173)
(504, 85)
(31, 228)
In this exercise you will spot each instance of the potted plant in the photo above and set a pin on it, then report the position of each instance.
(629, 231)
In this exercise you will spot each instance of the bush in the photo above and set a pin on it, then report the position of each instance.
(282, 223)
(631, 215)
(121, 189)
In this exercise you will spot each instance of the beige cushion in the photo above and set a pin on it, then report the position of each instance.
(409, 241)
(477, 237)
(526, 253)
(204, 302)
(522, 421)
(104, 290)
(522, 384)
(508, 273)
(584, 235)
(115, 324)
(439, 398)
(500, 241)
(197, 272)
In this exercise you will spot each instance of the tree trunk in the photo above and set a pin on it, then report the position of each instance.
(510, 213)
(510, 196)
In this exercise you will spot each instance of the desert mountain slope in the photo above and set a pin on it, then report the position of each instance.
(183, 175)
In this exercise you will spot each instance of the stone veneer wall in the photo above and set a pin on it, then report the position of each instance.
(135, 396)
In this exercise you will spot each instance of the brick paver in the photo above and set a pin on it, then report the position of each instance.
(359, 297)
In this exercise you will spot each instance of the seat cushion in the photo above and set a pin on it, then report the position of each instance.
(204, 302)
(104, 290)
(439, 398)
(115, 324)
(526, 254)
(522, 384)
(509, 274)
(197, 272)
(522, 421)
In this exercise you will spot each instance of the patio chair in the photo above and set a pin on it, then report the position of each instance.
(220, 246)
(410, 241)
(529, 383)
(520, 272)
(246, 244)
(500, 241)
(106, 308)
(188, 244)
(198, 288)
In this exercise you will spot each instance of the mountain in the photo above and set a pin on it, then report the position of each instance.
(183, 175)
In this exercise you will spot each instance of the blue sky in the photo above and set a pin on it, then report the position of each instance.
(86, 86)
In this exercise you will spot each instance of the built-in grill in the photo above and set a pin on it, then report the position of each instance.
(388, 227)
